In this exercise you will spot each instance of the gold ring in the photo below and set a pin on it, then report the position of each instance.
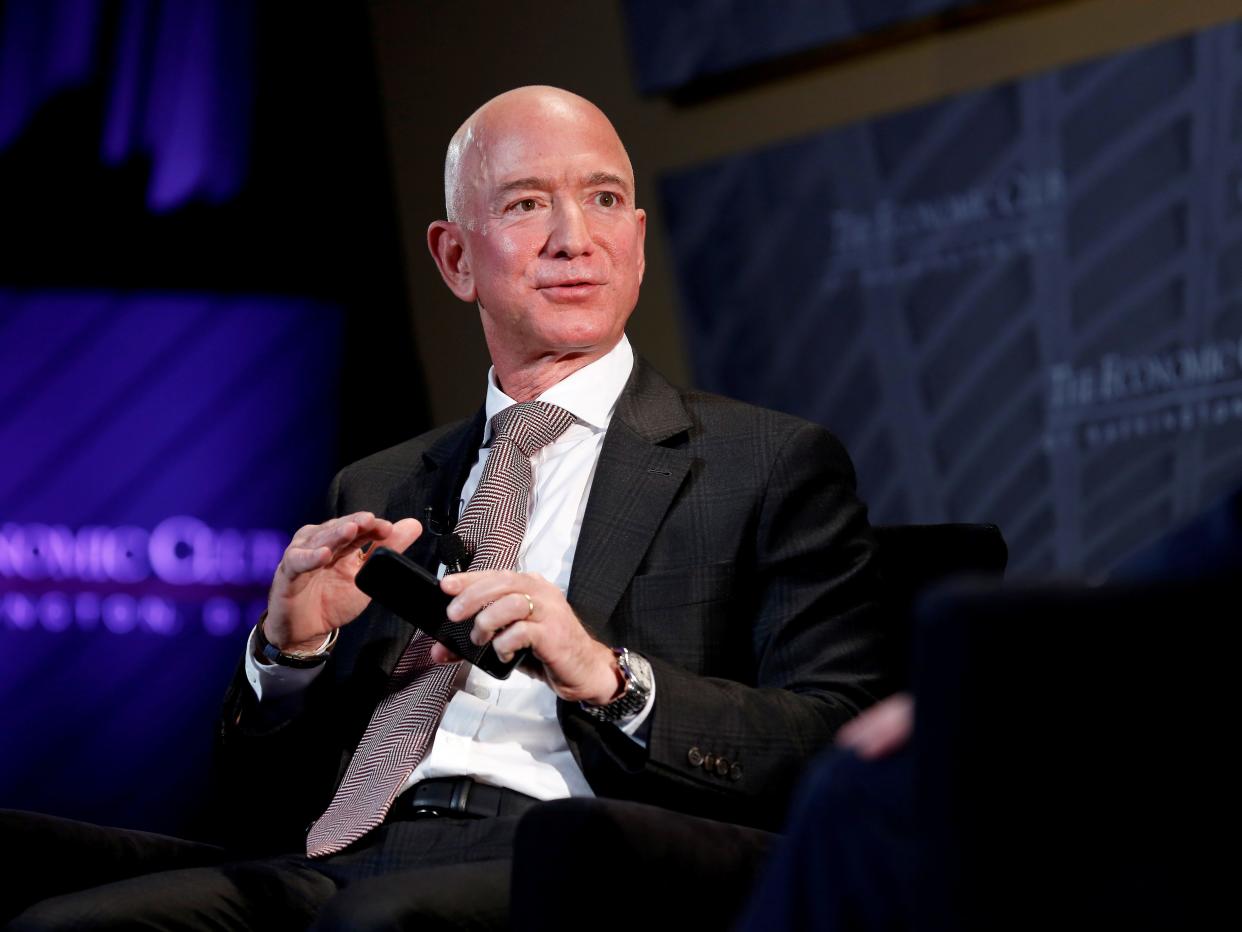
(530, 606)
(362, 555)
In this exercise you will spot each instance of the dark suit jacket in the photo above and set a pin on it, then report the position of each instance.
(721, 540)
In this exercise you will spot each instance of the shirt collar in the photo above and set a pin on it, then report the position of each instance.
(590, 394)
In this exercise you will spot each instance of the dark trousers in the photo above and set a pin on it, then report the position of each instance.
(608, 865)
(849, 858)
(435, 873)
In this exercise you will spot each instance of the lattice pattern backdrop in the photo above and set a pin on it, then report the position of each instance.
(1019, 305)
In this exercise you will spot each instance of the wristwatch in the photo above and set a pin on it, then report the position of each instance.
(639, 680)
(266, 652)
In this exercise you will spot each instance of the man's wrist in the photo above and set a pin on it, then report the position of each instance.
(612, 681)
(265, 652)
(637, 684)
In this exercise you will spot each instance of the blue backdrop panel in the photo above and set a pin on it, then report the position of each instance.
(1021, 305)
(674, 42)
(158, 449)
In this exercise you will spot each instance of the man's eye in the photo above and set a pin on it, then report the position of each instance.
(526, 205)
(606, 199)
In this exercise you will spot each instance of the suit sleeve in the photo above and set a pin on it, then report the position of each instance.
(803, 615)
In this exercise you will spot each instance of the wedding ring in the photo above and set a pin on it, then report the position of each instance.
(530, 606)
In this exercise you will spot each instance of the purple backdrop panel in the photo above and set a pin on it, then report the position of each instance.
(1020, 305)
(180, 80)
(157, 451)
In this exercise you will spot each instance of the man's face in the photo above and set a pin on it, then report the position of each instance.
(549, 230)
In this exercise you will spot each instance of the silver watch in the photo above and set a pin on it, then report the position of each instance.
(638, 683)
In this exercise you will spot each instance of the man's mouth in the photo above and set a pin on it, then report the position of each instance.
(572, 283)
(570, 288)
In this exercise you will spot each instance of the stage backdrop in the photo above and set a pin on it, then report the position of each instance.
(158, 450)
(675, 42)
(1020, 305)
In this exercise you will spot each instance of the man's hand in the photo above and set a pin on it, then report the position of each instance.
(881, 729)
(313, 590)
(516, 610)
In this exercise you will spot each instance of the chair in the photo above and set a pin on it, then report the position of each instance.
(916, 557)
(1073, 754)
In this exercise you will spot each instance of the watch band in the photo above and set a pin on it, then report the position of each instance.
(266, 652)
(638, 682)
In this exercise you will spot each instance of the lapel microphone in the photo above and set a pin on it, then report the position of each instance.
(453, 552)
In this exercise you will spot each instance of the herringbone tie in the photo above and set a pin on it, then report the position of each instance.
(403, 724)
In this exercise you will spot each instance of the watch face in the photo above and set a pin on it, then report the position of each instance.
(638, 672)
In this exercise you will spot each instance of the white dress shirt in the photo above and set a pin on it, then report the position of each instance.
(505, 732)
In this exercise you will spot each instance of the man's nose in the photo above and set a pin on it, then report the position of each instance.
(569, 236)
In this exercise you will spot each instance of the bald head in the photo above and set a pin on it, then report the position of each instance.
(543, 235)
(466, 161)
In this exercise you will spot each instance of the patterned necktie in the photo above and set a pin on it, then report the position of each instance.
(405, 721)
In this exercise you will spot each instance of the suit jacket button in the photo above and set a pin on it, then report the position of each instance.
(709, 762)
(722, 767)
(735, 772)
(695, 756)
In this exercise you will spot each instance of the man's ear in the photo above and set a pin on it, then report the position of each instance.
(444, 239)
(641, 215)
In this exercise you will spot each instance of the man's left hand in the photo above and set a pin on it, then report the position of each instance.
(517, 610)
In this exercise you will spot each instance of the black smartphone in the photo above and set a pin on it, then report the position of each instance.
(404, 587)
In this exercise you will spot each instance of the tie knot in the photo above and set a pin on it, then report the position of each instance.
(530, 425)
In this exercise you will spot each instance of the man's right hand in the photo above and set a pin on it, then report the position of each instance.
(313, 591)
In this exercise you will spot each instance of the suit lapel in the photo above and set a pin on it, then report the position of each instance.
(635, 482)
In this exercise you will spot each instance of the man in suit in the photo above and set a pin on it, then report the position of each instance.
(694, 579)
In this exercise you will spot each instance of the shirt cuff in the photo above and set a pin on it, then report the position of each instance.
(271, 681)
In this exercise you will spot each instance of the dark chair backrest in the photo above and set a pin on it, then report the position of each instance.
(1070, 746)
(1071, 753)
(915, 557)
